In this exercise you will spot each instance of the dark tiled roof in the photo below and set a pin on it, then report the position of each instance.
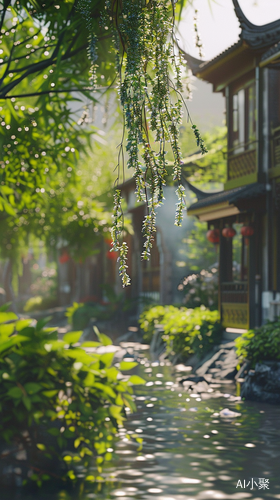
(270, 52)
(257, 37)
(226, 52)
(197, 65)
(232, 196)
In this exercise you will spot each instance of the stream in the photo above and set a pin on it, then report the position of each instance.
(190, 450)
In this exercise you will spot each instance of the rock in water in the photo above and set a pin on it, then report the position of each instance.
(263, 383)
(226, 413)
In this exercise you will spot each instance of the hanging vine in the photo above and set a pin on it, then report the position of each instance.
(148, 64)
(198, 42)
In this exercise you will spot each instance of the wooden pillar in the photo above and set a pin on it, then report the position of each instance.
(252, 261)
(225, 259)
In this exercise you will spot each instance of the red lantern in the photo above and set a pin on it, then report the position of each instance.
(247, 231)
(112, 255)
(64, 257)
(228, 232)
(213, 235)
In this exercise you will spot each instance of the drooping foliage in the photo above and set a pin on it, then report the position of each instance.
(44, 49)
(150, 88)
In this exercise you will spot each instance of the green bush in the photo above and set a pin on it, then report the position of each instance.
(59, 402)
(261, 344)
(39, 303)
(79, 314)
(185, 331)
(153, 317)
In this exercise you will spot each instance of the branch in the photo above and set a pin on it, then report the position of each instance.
(6, 5)
(18, 70)
(38, 67)
(44, 92)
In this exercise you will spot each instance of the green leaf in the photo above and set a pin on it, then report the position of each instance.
(115, 411)
(7, 316)
(136, 380)
(5, 307)
(119, 400)
(77, 442)
(107, 358)
(6, 330)
(90, 478)
(105, 388)
(127, 365)
(89, 380)
(15, 392)
(32, 387)
(112, 373)
(50, 394)
(26, 402)
(42, 322)
(23, 323)
(72, 337)
(41, 446)
(27, 331)
(90, 343)
(104, 339)
(54, 431)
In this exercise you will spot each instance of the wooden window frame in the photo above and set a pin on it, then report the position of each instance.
(245, 85)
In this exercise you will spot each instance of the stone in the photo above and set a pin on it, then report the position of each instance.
(227, 373)
(210, 363)
(186, 383)
(191, 380)
(263, 383)
(183, 368)
(226, 413)
(200, 387)
(222, 365)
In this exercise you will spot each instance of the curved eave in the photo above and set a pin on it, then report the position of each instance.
(193, 63)
(254, 42)
(206, 70)
(257, 37)
(271, 56)
(221, 70)
(225, 203)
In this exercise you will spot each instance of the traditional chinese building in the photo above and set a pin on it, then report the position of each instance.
(245, 217)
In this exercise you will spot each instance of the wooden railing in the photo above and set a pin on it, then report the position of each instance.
(241, 164)
(234, 292)
(235, 305)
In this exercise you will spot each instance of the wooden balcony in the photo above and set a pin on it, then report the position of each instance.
(235, 292)
(241, 164)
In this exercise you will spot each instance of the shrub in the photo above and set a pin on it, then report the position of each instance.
(79, 314)
(261, 344)
(39, 303)
(185, 331)
(201, 289)
(58, 402)
(151, 318)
